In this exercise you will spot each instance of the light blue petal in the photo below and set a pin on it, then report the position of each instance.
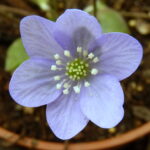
(64, 116)
(119, 54)
(78, 27)
(32, 84)
(37, 37)
(102, 101)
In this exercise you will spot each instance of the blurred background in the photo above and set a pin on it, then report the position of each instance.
(132, 17)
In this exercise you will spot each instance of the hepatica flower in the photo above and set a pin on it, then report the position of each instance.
(75, 70)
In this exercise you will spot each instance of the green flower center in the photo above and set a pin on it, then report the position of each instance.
(77, 69)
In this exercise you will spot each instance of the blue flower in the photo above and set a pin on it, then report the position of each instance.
(75, 70)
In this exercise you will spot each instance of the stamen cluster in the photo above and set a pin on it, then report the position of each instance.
(75, 70)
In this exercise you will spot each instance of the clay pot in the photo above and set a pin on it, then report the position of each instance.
(96, 145)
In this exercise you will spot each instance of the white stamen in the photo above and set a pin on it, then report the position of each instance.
(86, 84)
(56, 78)
(95, 60)
(56, 56)
(85, 53)
(53, 67)
(90, 56)
(66, 91)
(94, 71)
(77, 89)
(79, 49)
(67, 53)
(58, 62)
(58, 86)
(66, 85)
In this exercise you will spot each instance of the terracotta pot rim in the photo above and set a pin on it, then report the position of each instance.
(101, 144)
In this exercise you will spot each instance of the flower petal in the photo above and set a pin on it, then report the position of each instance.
(32, 84)
(36, 34)
(65, 117)
(78, 27)
(102, 101)
(120, 54)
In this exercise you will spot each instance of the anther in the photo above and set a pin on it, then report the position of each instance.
(53, 67)
(77, 89)
(58, 62)
(58, 86)
(66, 91)
(66, 85)
(56, 56)
(67, 53)
(91, 56)
(86, 84)
(94, 71)
(56, 78)
(79, 49)
(95, 60)
(85, 53)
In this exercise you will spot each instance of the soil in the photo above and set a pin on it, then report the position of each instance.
(31, 121)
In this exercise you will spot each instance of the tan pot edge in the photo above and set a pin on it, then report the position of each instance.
(103, 144)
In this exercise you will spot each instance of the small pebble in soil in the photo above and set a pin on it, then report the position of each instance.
(139, 88)
(112, 130)
(28, 110)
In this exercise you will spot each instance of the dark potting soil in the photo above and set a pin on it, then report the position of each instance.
(32, 122)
